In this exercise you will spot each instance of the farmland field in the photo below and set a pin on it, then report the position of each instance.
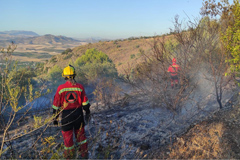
(39, 53)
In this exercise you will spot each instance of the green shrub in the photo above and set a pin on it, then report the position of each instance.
(22, 76)
(93, 65)
(132, 56)
(92, 56)
(55, 73)
(39, 68)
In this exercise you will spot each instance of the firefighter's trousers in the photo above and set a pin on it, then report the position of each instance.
(73, 123)
(174, 80)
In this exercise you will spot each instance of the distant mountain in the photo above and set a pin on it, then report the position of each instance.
(3, 33)
(41, 40)
(47, 39)
(93, 39)
(17, 32)
(11, 35)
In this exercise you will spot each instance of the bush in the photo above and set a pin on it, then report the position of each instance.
(39, 68)
(107, 92)
(21, 76)
(132, 56)
(15, 87)
(92, 56)
(55, 73)
(66, 51)
(93, 65)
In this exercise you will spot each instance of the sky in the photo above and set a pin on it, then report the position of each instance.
(110, 19)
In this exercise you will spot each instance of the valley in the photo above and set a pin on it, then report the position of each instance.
(32, 47)
(40, 53)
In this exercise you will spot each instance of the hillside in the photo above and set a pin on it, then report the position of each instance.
(124, 53)
(139, 126)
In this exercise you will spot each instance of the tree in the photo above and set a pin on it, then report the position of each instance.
(230, 29)
(231, 38)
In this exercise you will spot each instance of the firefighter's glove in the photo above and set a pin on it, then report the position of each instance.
(55, 123)
(87, 110)
(87, 118)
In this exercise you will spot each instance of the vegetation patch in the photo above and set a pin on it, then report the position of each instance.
(32, 55)
(53, 50)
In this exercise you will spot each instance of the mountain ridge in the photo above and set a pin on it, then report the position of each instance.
(39, 40)
(20, 32)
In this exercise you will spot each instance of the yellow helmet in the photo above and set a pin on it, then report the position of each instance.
(69, 72)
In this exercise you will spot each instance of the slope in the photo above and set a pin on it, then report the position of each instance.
(124, 53)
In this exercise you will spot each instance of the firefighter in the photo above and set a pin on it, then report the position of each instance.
(70, 99)
(173, 70)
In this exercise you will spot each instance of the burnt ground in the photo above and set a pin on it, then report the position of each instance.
(137, 130)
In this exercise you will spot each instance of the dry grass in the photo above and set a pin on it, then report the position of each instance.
(203, 141)
(47, 48)
(106, 92)
(216, 138)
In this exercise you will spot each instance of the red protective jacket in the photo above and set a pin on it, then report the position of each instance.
(173, 69)
(70, 96)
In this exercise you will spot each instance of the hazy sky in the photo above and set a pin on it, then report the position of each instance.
(95, 18)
